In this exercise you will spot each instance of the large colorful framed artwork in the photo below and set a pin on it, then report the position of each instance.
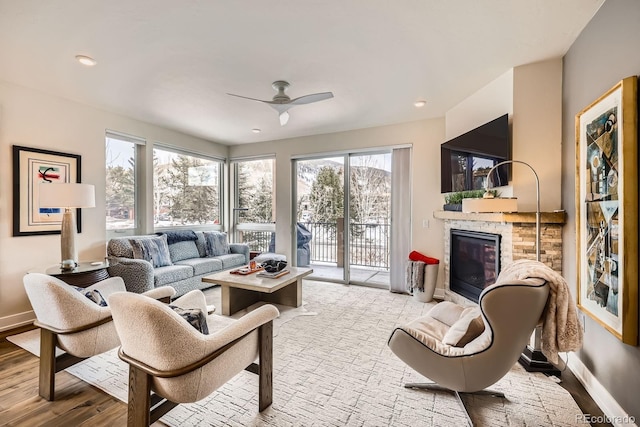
(607, 210)
(31, 167)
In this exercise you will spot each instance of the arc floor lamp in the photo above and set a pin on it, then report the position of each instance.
(532, 358)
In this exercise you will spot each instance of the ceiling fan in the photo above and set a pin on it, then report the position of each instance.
(282, 102)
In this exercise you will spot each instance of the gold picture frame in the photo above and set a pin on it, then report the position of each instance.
(607, 210)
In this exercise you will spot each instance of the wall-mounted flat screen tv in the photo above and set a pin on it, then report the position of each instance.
(466, 159)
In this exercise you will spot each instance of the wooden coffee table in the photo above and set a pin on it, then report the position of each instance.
(240, 291)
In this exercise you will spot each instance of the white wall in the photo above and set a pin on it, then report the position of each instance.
(488, 103)
(425, 137)
(537, 133)
(532, 96)
(35, 119)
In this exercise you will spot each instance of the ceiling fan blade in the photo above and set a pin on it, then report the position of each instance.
(280, 108)
(308, 99)
(246, 97)
(284, 118)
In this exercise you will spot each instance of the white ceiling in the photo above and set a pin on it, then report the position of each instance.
(171, 62)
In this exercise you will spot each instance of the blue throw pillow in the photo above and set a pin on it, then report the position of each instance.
(93, 295)
(216, 243)
(153, 249)
(194, 316)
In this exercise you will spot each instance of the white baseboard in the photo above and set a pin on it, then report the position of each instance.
(16, 320)
(614, 413)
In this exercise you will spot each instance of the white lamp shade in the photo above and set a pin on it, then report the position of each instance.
(68, 195)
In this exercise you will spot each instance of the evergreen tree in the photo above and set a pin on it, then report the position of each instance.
(192, 199)
(326, 197)
(120, 189)
(246, 191)
(261, 209)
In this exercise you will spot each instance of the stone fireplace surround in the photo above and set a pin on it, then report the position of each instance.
(517, 241)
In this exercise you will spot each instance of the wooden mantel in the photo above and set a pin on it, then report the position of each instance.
(555, 217)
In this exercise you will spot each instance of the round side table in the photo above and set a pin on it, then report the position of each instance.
(85, 274)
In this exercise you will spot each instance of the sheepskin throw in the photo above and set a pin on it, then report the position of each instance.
(561, 329)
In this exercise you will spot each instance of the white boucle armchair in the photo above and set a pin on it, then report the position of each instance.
(72, 322)
(170, 362)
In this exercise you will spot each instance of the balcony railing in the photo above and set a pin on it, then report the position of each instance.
(369, 243)
(257, 240)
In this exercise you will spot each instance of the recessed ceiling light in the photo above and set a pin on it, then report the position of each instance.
(256, 130)
(86, 60)
(420, 103)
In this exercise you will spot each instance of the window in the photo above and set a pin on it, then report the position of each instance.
(469, 172)
(253, 214)
(187, 189)
(120, 191)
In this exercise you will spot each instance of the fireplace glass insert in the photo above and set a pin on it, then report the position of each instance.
(474, 262)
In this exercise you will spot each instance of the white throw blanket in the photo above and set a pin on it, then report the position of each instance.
(415, 275)
(561, 329)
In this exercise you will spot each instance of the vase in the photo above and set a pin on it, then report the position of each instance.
(422, 296)
(430, 279)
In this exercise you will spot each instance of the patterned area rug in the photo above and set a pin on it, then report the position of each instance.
(335, 369)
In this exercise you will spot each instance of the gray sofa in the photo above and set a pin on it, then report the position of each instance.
(189, 261)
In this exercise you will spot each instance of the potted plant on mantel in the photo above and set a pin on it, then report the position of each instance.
(453, 201)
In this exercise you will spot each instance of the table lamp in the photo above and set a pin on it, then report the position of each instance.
(67, 196)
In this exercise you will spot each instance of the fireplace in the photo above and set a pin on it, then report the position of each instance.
(474, 262)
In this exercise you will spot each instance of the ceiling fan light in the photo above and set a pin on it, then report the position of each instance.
(86, 60)
(284, 118)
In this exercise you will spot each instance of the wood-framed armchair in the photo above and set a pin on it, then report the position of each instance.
(72, 322)
(170, 362)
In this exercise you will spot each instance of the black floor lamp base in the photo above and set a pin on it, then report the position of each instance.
(534, 361)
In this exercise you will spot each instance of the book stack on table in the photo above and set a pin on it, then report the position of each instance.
(273, 275)
(246, 270)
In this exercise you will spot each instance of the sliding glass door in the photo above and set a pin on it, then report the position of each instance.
(344, 204)
(320, 210)
(369, 218)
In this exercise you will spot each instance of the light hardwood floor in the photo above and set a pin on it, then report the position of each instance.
(77, 403)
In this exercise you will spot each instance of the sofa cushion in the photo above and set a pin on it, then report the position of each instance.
(175, 236)
(446, 312)
(201, 244)
(194, 316)
(216, 243)
(93, 295)
(172, 273)
(467, 328)
(231, 260)
(120, 247)
(202, 265)
(153, 249)
(183, 250)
